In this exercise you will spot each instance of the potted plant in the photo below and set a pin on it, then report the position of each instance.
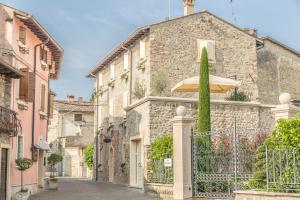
(53, 159)
(22, 165)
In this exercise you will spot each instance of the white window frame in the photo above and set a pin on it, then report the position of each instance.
(210, 45)
(111, 106)
(126, 61)
(142, 49)
(112, 71)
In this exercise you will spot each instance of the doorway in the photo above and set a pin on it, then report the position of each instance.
(3, 174)
(111, 164)
(136, 177)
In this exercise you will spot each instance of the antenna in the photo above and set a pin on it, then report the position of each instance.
(169, 9)
(232, 11)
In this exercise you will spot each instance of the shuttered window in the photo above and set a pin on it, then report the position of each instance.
(126, 61)
(20, 146)
(112, 71)
(43, 98)
(142, 49)
(22, 35)
(43, 54)
(210, 45)
(24, 88)
(111, 107)
(78, 118)
(100, 79)
(125, 99)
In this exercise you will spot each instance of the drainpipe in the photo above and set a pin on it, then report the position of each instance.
(130, 76)
(33, 102)
(96, 138)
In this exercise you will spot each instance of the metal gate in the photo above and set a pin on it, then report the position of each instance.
(3, 174)
(223, 160)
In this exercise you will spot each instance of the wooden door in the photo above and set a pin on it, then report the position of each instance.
(3, 174)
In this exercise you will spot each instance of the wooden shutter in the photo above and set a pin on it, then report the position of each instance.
(126, 61)
(51, 104)
(43, 97)
(142, 49)
(23, 91)
(31, 87)
(112, 71)
(22, 35)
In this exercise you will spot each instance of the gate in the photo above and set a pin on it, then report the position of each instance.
(222, 160)
(3, 174)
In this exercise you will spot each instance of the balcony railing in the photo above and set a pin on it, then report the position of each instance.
(9, 123)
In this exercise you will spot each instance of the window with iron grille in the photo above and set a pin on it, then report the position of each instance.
(78, 117)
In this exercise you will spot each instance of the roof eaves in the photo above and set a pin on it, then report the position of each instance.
(282, 45)
(119, 49)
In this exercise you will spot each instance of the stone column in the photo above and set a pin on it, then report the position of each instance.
(285, 109)
(182, 156)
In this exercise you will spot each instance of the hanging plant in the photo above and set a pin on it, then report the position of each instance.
(123, 124)
(124, 76)
(111, 83)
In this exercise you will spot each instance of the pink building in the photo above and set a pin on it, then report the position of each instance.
(28, 47)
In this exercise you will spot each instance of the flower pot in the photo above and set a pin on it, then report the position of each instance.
(22, 195)
(53, 184)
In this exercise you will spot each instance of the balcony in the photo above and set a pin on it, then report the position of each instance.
(9, 123)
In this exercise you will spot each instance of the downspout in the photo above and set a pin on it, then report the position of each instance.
(96, 134)
(130, 76)
(33, 101)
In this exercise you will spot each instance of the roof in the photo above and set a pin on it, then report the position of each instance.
(9, 71)
(281, 45)
(42, 34)
(65, 106)
(140, 32)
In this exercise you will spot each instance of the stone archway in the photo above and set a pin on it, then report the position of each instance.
(111, 164)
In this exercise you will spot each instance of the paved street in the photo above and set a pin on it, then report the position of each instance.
(80, 189)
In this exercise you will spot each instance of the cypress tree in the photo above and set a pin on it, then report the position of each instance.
(204, 94)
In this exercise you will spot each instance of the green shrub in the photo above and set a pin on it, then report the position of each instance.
(238, 96)
(160, 83)
(22, 165)
(89, 156)
(53, 159)
(139, 90)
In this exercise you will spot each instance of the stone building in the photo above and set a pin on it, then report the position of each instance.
(71, 130)
(27, 46)
(135, 107)
(9, 124)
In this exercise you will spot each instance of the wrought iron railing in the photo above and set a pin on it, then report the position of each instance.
(9, 123)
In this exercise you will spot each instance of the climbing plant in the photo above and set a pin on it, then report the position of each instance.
(160, 82)
(89, 156)
(139, 89)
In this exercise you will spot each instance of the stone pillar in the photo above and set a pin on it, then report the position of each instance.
(285, 109)
(182, 155)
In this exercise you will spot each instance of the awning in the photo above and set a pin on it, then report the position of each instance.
(43, 145)
(8, 70)
(217, 84)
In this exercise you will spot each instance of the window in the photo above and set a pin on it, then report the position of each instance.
(100, 79)
(125, 99)
(20, 146)
(142, 49)
(112, 71)
(26, 85)
(43, 97)
(43, 54)
(111, 107)
(126, 61)
(22, 35)
(78, 118)
(211, 51)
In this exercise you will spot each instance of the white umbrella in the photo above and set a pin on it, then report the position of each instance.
(217, 84)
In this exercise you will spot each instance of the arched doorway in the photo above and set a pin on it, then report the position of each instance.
(111, 164)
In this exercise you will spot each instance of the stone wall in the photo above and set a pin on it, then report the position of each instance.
(173, 49)
(278, 72)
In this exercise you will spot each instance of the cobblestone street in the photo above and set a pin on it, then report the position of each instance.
(81, 189)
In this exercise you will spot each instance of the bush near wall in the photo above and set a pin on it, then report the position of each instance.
(89, 156)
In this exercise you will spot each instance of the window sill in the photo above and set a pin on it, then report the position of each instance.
(22, 105)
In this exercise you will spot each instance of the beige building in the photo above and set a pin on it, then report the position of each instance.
(133, 85)
(70, 132)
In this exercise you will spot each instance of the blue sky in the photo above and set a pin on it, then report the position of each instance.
(89, 29)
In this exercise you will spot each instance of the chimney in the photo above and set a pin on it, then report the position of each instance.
(189, 7)
(70, 98)
(80, 100)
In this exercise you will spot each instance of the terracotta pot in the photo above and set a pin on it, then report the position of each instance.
(53, 184)
(22, 195)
